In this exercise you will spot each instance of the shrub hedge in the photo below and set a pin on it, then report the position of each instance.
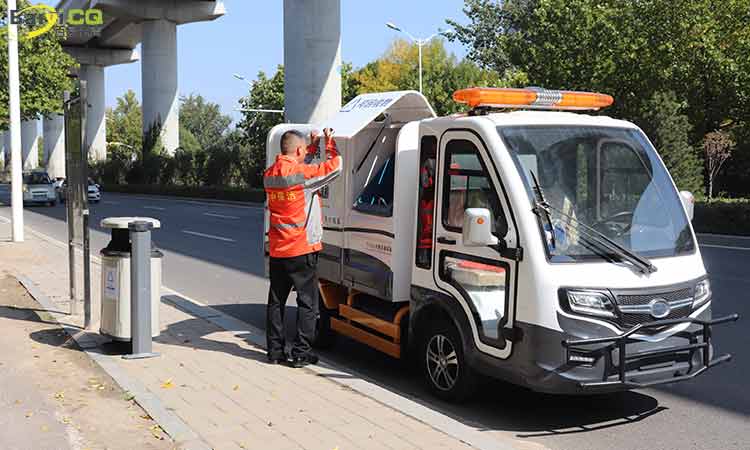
(723, 216)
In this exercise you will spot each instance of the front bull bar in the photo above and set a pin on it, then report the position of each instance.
(620, 343)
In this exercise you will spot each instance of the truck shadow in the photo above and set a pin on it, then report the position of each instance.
(501, 407)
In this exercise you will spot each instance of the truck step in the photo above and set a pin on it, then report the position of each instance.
(365, 337)
(381, 326)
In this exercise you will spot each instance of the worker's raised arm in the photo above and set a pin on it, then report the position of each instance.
(319, 175)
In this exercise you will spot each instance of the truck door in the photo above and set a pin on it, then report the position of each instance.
(479, 278)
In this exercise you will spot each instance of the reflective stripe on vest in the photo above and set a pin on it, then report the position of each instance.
(279, 181)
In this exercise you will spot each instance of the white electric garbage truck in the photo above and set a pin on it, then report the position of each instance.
(528, 240)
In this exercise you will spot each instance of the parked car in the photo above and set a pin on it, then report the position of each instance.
(38, 188)
(93, 191)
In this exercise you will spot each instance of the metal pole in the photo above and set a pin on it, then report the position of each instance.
(15, 128)
(140, 289)
(86, 272)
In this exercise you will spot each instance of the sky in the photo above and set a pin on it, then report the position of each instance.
(249, 38)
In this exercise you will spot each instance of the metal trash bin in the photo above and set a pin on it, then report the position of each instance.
(115, 286)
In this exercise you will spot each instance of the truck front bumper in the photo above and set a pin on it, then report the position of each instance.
(628, 363)
(569, 362)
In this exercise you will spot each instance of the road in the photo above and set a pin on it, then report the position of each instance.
(213, 255)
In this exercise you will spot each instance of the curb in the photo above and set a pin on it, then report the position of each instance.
(183, 436)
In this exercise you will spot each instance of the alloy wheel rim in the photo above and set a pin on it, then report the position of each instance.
(442, 362)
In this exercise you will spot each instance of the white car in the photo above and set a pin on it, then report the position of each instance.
(94, 192)
(39, 189)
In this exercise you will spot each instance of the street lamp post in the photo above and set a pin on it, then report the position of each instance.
(420, 43)
(255, 110)
(16, 196)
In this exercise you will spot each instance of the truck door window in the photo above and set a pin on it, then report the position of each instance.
(377, 196)
(468, 185)
(426, 207)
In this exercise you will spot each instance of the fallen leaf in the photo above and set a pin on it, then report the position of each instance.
(145, 417)
(157, 432)
(167, 384)
(45, 428)
(18, 402)
(236, 387)
(29, 414)
(60, 395)
(66, 420)
(128, 396)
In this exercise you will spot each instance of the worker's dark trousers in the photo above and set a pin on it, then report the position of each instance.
(300, 272)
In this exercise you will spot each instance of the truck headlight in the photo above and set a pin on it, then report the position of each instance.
(702, 293)
(593, 303)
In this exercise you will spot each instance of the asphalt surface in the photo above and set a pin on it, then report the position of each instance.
(213, 254)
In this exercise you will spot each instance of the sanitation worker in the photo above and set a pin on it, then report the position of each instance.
(295, 234)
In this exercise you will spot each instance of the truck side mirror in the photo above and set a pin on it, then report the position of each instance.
(477, 231)
(688, 202)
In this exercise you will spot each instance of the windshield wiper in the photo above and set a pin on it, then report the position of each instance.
(541, 207)
(596, 236)
(593, 235)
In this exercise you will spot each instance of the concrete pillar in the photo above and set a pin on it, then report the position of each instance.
(2, 151)
(54, 145)
(159, 80)
(29, 144)
(312, 59)
(96, 131)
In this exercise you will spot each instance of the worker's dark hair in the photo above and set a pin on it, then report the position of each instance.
(287, 141)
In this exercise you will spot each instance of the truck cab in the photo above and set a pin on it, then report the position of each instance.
(526, 240)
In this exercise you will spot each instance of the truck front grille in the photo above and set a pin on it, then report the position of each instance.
(634, 308)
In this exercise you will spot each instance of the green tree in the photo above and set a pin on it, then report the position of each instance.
(670, 129)
(43, 71)
(630, 49)
(124, 128)
(443, 74)
(203, 119)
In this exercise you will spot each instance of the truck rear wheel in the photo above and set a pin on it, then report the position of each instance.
(443, 363)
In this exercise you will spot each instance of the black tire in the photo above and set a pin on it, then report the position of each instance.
(325, 337)
(443, 365)
(53, 203)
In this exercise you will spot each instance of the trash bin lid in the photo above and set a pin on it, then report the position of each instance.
(122, 222)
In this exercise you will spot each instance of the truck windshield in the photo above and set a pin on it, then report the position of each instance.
(607, 178)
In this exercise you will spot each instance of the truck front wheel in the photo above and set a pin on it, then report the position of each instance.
(443, 363)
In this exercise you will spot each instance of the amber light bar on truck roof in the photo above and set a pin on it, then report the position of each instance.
(534, 98)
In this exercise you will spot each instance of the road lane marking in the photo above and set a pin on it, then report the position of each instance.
(726, 236)
(728, 247)
(209, 236)
(157, 208)
(220, 216)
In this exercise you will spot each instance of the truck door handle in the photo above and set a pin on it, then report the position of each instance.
(446, 241)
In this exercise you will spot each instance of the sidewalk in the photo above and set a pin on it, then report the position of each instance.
(211, 387)
(53, 396)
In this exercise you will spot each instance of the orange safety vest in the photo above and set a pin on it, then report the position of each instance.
(296, 220)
